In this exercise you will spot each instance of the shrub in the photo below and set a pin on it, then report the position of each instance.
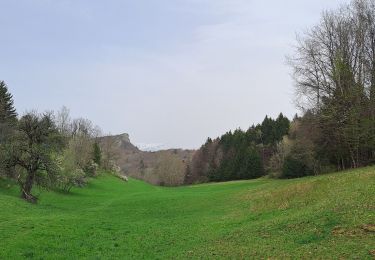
(294, 168)
(91, 169)
(72, 178)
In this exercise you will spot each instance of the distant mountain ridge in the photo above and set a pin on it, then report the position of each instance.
(150, 147)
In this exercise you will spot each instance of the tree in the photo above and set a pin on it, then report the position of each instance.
(110, 153)
(82, 152)
(69, 174)
(278, 158)
(64, 122)
(7, 111)
(32, 150)
(295, 168)
(170, 170)
(251, 165)
(334, 71)
(97, 154)
(239, 154)
(8, 115)
(142, 167)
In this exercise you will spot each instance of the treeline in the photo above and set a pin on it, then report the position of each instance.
(48, 150)
(334, 71)
(240, 154)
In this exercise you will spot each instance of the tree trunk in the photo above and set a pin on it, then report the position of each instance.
(27, 187)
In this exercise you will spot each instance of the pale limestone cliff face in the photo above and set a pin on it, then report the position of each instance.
(124, 138)
(122, 142)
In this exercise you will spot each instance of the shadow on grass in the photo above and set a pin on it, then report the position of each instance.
(9, 188)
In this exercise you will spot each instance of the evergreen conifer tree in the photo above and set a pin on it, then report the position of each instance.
(8, 113)
(97, 154)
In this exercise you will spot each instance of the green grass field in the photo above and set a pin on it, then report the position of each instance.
(325, 217)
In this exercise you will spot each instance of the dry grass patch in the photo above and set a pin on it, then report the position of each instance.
(283, 198)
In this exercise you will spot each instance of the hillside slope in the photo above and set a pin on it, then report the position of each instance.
(326, 217)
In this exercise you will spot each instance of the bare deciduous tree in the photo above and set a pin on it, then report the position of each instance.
(170, 170)
(334, 71)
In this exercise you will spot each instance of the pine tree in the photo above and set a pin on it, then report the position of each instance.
(8, 113)
(97, 154)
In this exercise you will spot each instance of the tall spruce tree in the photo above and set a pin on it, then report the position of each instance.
(8, 113)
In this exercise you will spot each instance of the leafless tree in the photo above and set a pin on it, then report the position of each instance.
(334, 71)
(345, 36)
(110, 153)
(170, 170)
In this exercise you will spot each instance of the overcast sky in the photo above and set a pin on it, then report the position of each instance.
(169, 72)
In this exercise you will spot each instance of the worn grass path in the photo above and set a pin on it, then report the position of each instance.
(325, 217)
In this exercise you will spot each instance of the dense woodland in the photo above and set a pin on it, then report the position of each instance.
(239, 154)
(334, 71)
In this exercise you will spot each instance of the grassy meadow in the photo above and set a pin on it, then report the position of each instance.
(325, 217)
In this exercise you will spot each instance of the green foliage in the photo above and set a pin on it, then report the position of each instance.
(273, 131)
(80, 152)
(8, 115)
(91, 169)
(46, 150)
(238, 155)
(97, 154)
(31, 152)
(70, 175)
(295, 168)
(71, 178)
(251, 165)
(7, 111)
(323, 217)
(239, 164)
(334, 72)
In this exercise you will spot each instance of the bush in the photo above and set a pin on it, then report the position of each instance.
(295, 168)
(91, 169)
(72, 178)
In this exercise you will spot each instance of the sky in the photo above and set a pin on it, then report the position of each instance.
(168, 72)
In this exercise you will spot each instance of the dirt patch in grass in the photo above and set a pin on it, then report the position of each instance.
(369, 228)
(354, 232)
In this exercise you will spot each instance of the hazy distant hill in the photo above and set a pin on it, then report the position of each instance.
(133, 161)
